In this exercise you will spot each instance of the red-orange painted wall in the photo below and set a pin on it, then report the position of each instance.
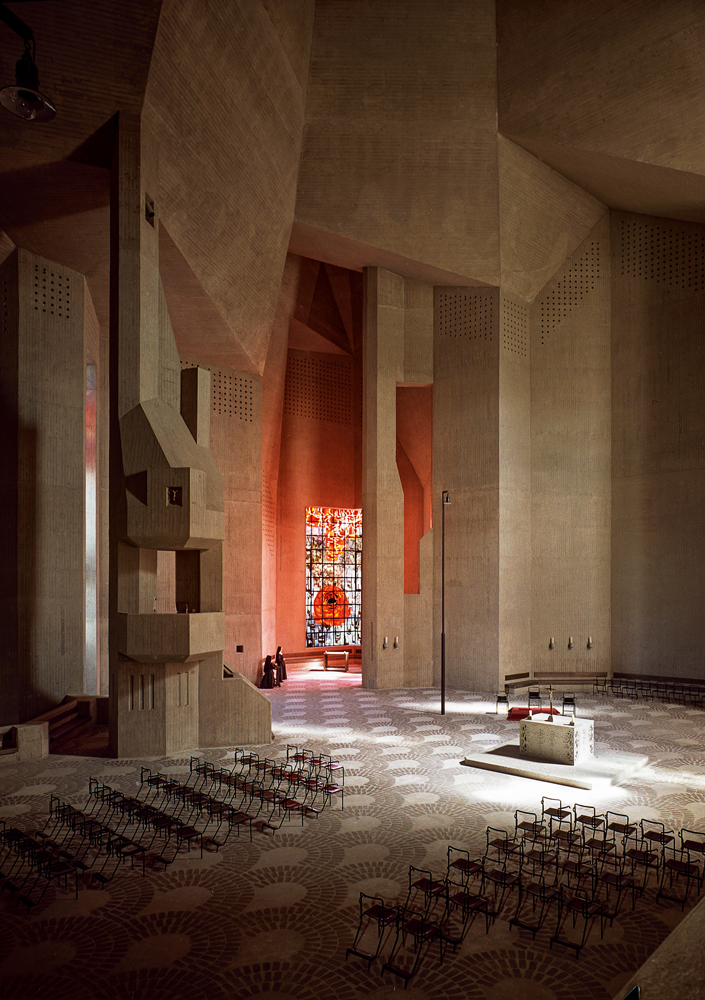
(413, 519)
(317, 469)
(415, 465)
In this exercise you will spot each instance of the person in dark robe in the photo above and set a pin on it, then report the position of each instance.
(281, 665)
(269, 675)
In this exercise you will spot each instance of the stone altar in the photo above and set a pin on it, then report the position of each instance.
(565, 740)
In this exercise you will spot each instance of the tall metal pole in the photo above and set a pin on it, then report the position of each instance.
(445, 500)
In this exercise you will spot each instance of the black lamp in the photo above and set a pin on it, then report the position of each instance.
(445, 501)
(24, 98)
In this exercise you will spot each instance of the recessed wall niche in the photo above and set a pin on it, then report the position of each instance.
(178, 584)
(165, 597)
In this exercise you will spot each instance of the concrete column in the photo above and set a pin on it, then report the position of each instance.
(382, 494)
(514, 488)
(466, 414)
(136, 229)
(571, 463)
(42, 485)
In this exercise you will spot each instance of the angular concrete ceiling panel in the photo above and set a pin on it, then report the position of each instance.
(303, 338)
(226, 106)
(199, 329)
(542, 218)
(626, 184)
(400, 149)
(625, 79)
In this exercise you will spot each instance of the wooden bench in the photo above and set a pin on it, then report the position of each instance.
(560, 682)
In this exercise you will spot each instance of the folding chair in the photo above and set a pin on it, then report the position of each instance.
(678, 875)
(617, 883)
(375, 920)
(414, 936)
(534, 697)
(504, 882)
(461, 908)
(424, 890)
(574, 905)
(499, 841)
(527, 824)
(539, 893)
(641, 854)
(460, 863)
(568, 704)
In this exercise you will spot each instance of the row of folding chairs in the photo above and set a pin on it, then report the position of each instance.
(203, 810)
(28, 867)
(584, 845)
(572, 862)
(309, 777)
(257, 791)
(673, 692)
(436, 910)
(164, 817)
(98, 840)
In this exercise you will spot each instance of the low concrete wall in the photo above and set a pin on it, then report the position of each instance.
(31, 741)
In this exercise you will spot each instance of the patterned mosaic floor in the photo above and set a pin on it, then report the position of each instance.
(272, 919)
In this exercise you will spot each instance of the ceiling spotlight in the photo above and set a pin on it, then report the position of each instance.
(24, 98)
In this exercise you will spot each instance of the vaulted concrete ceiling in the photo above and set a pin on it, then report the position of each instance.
(610, 95)
(454, 143)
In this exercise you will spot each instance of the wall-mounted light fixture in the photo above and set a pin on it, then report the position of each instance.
(570, 642)
(385, 644)
(24, 99)
(396, 642)
(551, 643)
(589, 642)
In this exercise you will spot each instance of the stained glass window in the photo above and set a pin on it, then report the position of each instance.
(333, 576)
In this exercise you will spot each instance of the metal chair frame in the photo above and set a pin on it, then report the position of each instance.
(376, 918)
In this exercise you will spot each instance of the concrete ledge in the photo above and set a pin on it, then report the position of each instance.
(596, 772)
(31, 741)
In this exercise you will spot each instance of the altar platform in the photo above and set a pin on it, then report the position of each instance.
(610, 768)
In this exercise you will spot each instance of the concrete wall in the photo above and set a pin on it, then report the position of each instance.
(236, 445)
(658, 445)
(233, 162)
(514, 443)
(570, 461)
(400, 142)
(466, 419)
(43, 390)
(317, 469)
(273, 386)
(383, 647)
(561, 61)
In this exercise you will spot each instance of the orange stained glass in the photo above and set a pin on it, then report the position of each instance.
(338, 523)
(331, 607)
(333, 576)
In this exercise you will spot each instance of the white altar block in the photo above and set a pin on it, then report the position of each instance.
(563, 741)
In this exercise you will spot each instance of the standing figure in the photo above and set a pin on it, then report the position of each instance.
(281, 665)
(269, 676)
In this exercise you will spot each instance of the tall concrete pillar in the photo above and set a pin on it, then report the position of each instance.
(466, 462)
(514, 442)
(382, 494)
(165, 487)
(42, 484)
(571, 491)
